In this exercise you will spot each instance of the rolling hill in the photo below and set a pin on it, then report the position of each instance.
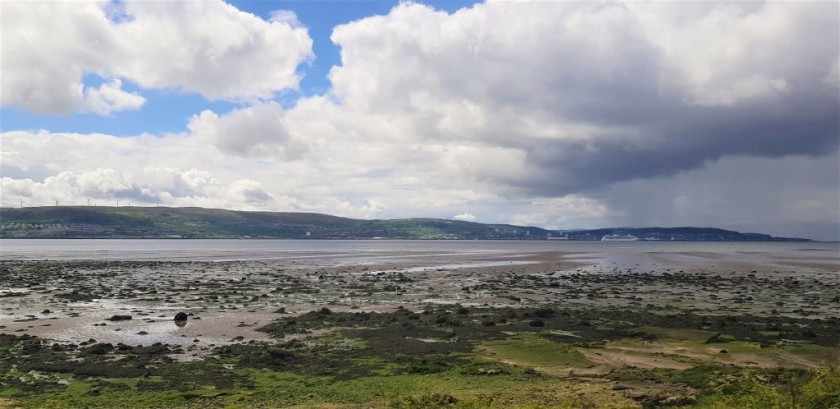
(201, 223)
(192, 222)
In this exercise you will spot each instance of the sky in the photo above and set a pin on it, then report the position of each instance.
(555, 114)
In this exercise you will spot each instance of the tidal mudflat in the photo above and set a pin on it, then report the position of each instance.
(418, 324)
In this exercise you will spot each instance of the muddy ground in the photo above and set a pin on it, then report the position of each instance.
(612, 319)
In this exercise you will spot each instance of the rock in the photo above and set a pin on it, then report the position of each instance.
(99, 349)
(29, 349)
(181, 316)
(119, 318)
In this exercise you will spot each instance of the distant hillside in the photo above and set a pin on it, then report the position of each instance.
(200, 223)
(192, 222)
(669, 234)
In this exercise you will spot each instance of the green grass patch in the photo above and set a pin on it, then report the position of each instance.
(529, 349)
(454, 388)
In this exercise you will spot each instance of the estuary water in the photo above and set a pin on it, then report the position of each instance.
(826, 256)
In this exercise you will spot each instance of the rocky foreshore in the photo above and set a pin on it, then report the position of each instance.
(660, 332)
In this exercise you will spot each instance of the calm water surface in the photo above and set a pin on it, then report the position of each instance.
(376, 250)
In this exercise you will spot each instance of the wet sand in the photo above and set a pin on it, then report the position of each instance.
(72, 300)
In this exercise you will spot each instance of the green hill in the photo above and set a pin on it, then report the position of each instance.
(200, 223)
(673, 234)
(192, 222)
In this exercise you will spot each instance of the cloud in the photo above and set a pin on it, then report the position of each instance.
(257, 130)
(251, 191)
(189, 170)
(794, 195)
(107, 186)
(111, 98)
(101, 185)
(464, 216)
(574, 96)
(571, 211)
(225, 54)
(286, 16)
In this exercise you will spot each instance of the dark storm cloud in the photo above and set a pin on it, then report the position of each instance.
(794, 195)
(685, 137)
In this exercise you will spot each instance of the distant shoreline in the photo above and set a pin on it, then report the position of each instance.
(83, 222)
(793, 240)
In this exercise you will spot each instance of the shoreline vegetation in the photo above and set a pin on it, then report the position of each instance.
(561, 331)
(201, 223)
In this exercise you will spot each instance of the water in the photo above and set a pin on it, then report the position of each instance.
(377, 251)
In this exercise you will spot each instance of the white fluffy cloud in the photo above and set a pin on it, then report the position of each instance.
(723, 54)
(257, 130)
(110, 98)
(110, 187)
(189, 170)
(571, 211)
(206, 47)
(464, 216)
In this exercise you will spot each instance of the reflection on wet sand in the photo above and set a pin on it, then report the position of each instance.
(229, 300)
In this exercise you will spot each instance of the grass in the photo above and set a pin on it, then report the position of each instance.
(693, 346)
(379, 361)
(530, 349)
(405, 390)
(819, 389)
(478, 383)
(283, 389)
